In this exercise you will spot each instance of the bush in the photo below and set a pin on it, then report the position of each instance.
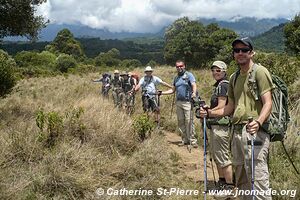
(281, 65)
(131, 63)
(143, 126)
(65, 62)
(7, 73)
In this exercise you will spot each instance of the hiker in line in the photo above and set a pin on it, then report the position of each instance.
(219, 126)
(149, 91)
(134, 77)
(105, 80)
(242, 105)
(117, 92)
(127, 88)
(184, 85)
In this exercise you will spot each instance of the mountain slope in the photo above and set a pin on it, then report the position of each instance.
(246, 26)
(272, 40)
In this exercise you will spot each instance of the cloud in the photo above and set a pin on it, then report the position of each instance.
(152, 15)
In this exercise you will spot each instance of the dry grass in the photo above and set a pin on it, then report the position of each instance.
(98, 148)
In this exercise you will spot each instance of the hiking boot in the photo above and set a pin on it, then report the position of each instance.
(195, 145)
(226, 192)
(182, 143)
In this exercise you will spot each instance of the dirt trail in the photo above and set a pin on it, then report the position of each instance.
(192, 163)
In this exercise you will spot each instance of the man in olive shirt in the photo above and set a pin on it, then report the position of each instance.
(242, 105)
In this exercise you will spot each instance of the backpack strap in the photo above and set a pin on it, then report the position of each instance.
(218, 88)
(252, 83)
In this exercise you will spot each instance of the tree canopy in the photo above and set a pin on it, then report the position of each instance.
(17, 18)
(292, 35)
(195, 43)
(65, 43)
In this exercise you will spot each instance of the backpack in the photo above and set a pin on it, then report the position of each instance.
(136, 77)
(276, 124)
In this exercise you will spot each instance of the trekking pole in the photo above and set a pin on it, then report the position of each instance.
(213, 171)
(189, 147)
(158, 104)
(172, 106)
(250, 119)
(205, 171)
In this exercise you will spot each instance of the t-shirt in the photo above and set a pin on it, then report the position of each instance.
(116, 82)
(183, 85)
(149, 83)
(244, 103)
(220, 90)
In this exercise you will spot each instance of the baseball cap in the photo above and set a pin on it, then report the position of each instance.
(245, 40)
(220, 64)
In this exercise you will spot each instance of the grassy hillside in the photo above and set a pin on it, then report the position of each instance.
(60, 140)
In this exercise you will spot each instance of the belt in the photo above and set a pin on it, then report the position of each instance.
(238, 127)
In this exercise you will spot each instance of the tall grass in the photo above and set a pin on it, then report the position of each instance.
(60, 140)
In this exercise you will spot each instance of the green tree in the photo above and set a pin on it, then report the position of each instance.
(65, 62)
(7, 73)
(110, 58)
(292, 35)
(65, 43)
(17, 18)
(195, 43)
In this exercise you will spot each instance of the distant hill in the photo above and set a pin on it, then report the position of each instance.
(242, 26)
(81, 31)
(272, 40)
(246, 26)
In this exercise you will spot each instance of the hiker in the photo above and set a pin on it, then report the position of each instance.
(105, 80)
(117, 92)
(219, 126)
(242, 105)
(134, 77)
(149, 91)
(128, 87)
(184, 85)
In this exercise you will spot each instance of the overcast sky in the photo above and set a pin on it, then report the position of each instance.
(152, 15)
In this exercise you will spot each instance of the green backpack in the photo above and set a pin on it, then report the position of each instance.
(276, 125)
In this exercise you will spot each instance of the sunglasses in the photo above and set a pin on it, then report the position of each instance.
(238, 50)
(216, 70)
(178, 66)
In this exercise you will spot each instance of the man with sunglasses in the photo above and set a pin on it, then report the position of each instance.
(242, 105)
(184, 85)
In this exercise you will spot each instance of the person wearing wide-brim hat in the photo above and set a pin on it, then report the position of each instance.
(149, 84)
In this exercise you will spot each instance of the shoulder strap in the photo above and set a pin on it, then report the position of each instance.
(252, 83)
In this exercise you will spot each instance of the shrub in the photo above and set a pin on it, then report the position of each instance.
(7, 73)
(143, 126)
(65, 62)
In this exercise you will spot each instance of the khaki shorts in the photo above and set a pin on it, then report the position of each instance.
(220, 145)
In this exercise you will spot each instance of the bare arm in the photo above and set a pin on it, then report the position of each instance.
(221, 103)
(225, 111)
(254, 126)
(166, 84)
(137, 87)
(170, 91)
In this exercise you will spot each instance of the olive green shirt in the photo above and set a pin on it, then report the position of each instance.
(240, 95)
